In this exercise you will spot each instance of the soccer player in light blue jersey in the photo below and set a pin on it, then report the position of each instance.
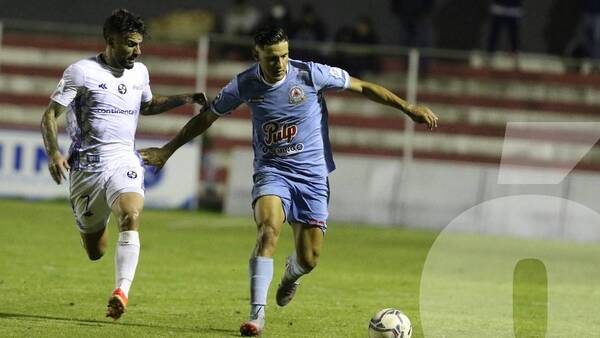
(292, 156)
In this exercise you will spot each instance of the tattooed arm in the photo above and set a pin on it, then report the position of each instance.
(57, 163)
(160, 104)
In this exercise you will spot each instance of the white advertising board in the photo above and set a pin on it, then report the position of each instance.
(24, 171)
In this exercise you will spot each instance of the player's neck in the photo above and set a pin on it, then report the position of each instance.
(270, 82)
(110, 62)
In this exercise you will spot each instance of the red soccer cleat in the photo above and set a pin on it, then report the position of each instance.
(252, 327)
(117, 304)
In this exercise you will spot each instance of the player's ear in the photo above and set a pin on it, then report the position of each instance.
(254, 54)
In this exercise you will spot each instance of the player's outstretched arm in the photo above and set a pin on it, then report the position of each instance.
(160, 104)
(57, 163)
(379, 94)
(194, 127)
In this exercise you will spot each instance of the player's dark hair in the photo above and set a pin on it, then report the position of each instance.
(269, 36)
(123, 22)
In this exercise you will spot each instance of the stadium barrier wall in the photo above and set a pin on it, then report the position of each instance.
(24, 171)
(431, 194)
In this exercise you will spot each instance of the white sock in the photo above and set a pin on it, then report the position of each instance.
(261, 274)
(294, 271)
(126, 259)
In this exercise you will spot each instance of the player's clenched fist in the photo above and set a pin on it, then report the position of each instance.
(155, 156)
(199, 98)
(422, 114)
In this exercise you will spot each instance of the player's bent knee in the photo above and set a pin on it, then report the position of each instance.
(129, 220)
(268, 235)
(269, 229)
(266, 240)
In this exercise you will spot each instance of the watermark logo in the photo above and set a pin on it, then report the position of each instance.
(470, 274)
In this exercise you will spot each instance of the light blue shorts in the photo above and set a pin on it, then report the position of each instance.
(304, 201)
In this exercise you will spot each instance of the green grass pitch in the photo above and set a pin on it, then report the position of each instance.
(192, 278)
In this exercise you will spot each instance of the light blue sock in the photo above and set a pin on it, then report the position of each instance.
(261, 274)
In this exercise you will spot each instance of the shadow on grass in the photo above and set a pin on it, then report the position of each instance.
(92, 322)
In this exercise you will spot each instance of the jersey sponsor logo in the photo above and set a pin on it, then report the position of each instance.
(103, 86)
(284, 151)
(132, 174)
(296, 95)
(274, 133)
(114, 111)
(122, 88)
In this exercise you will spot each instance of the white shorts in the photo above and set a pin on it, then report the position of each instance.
(93, 193)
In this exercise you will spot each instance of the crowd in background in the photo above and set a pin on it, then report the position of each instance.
(415, 20)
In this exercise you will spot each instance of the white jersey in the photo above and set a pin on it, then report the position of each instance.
(103, 106)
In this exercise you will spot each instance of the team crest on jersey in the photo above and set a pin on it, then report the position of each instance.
(122, 88)
(296, 95)
(131, 174)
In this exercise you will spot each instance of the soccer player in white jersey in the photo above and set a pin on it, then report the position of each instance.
(103, 96)
(292, 156)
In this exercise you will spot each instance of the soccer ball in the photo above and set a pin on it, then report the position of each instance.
(390, 323)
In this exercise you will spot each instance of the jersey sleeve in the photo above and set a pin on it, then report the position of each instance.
(227, 100)
(146, 92)
(326, 77)
(73, 79)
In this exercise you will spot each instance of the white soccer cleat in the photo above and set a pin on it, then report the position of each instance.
(252, 328)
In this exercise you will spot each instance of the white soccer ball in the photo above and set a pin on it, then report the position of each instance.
(390, 323)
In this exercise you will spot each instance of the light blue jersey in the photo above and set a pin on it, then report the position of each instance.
(289, 118)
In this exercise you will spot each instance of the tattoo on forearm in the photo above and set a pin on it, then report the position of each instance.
(161, 104)
(49, 134)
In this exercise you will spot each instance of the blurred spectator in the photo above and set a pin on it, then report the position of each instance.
(591, 26)
(416, 21)
(182, 26)
(364, 32)
(342, 36)
(360, 61)
(459, 23)
(278, 15)
(308, 28)
(242, 19)
(505, 14)
(561, 26)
